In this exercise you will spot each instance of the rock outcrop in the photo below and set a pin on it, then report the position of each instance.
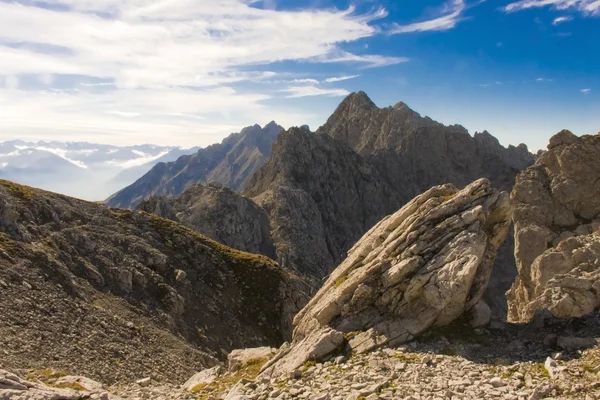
(557, 223)
(230, 163)
(93, 291)
(219, 213)
(419, 268)
(321, 197)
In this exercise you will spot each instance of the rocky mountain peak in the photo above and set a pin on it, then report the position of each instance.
(230, 162)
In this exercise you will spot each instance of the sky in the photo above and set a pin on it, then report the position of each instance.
(189, 72)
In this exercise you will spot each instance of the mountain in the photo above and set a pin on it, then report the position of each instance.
(86, 170)
(324, 190)
(321, 197)
(86, 288)
(219, 213)
(230, 163)
(414, 153)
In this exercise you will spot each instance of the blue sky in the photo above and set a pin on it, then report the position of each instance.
(188, 72)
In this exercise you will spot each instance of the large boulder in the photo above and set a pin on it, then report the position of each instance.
(419, 268)
(557, 238)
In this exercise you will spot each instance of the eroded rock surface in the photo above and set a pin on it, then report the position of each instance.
(419, 268)
(557, 223)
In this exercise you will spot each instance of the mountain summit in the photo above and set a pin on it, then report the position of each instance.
(230, 163)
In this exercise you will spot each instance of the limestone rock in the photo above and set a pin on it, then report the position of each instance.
(85, 382)
(557, 222)
(480, 315)
(240, 357)
(202, 378)
(419, 268)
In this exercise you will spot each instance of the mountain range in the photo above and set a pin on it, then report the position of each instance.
(230, 163)
(86, 170)
(375, 229)
(321, 191)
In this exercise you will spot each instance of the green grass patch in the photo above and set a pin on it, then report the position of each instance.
(340, 280)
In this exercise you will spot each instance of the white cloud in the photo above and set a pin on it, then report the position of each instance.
(450, 18)
(340, 78)
(307, 91)
(369, 61)
(175, 63)
(11, 82)
(560, 20)
(585, 91)
(587, 7)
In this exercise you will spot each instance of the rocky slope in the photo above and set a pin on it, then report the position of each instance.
(118, 295)
(422, 267)
(230, 163)
(557, 231)
(321, 197)
(219, 213)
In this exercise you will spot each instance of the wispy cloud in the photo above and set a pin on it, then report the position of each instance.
(587, 7)
(560, 20)
(544, 80)
(585, 91)
(166, 60)
(340, 78)
(450, 17)
(307, 91)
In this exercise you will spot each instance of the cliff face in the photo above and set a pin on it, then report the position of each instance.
(219, 213)
(83, 285)
(230, 163)
(321, 197)
(557, 223)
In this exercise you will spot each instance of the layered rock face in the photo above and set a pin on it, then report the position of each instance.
(230, 163)
(219, 213)
(82, 285)
(321, 197)
(557, 223)
(419, 268)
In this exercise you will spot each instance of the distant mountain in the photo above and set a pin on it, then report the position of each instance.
(86, 170)
(230, 163)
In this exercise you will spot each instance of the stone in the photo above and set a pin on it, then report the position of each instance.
(85, 382)
(557, 245)
(238, 358)
(419, 268)
(480, 315)
(317, 344)
(553, 369)
(144, 381)
(575, 343)
(203, 377)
